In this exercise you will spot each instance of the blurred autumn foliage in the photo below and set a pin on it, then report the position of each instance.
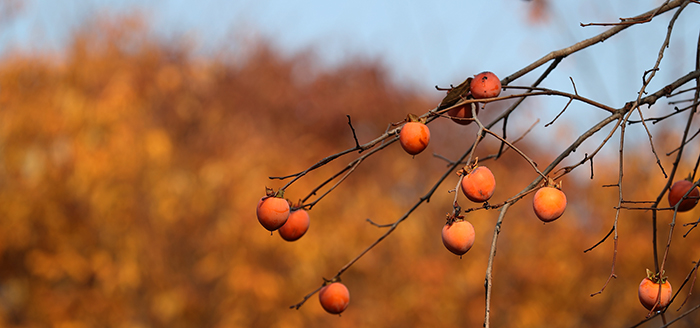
(130, 169)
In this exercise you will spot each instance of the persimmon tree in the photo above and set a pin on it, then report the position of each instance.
(463, 105)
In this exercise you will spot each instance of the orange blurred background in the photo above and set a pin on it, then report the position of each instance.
(130, 170)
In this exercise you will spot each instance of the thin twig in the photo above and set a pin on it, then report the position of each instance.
(545, 92)
(377, 224)
(567, 104)
(587, 42)
(601, 241)
(655, 120)
(354, 135)
(691, 276)
(479, 134)
(621, 158)
(306, 297)
(679, 101)
(349, 167)
(488, 283)
(520, 152)
(568, 169)
(683, 91)
(627, 21)
(614, 260)
(494, 156)
(562, 112)
(687, 141)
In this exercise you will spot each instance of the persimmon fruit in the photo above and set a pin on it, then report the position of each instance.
(549, 203)
(296, 226)
(272, 212)
(414, 137)
(458, 113)
(678, 189)
(458, 236)
(479, 184)
(334, 297)
(649, 292)
(485, 85)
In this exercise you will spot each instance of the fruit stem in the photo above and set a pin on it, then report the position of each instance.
(414, 118)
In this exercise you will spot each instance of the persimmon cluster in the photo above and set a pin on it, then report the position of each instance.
(477, 183)
(655, 292)
(275, 213)
(415, 135)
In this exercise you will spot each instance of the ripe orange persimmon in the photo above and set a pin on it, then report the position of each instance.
(464, 111)
(296, 226)
(458, 236)
(549, 203)
(649, 291)
(414, 137)
(678, 189)
(334, 297)
(485, 85)
(273, 210)
(479, 184)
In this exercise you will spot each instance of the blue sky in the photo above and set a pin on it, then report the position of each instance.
(422, 43)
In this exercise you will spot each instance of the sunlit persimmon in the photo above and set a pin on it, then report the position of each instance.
(649, 292)
(334, 298)
(485, 85)
(479, 184)
(549, 203)
(414, 137)
(458, 236)
(296, 226)
(272, 212)
(462, 114)
(678, 189)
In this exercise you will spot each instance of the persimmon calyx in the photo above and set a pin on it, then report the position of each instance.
(550, 183)
(296, 206)
(327, 282)
(690, 177)
(272, 193)
(656, 278)
(454, 217)
(469, 167)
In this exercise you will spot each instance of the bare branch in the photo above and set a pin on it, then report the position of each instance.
(354, 136)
